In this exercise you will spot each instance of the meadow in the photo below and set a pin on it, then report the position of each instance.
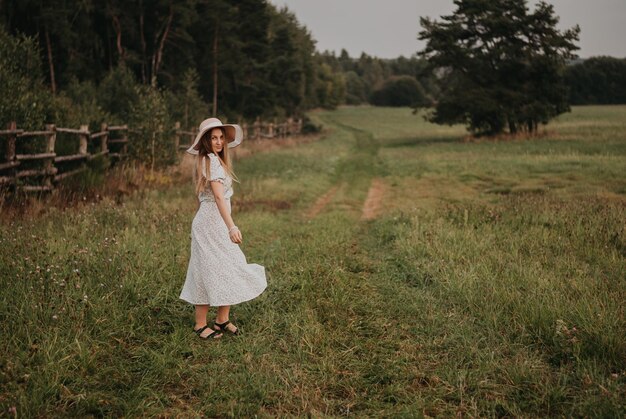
(487, 279)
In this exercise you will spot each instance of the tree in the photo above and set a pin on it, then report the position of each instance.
(185, 103)
(25, 99)
(501, 66)
(400, 91)
(257, 60)
(331, 87)
(597, 80)
(355, 89)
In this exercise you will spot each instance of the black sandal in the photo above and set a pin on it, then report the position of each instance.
(212, 335)
(223, 328)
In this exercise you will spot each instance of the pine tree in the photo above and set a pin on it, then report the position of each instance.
(502, 66)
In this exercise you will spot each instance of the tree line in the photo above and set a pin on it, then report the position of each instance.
(189, 58)
(597, 81)
(494, 65)
(256, 59)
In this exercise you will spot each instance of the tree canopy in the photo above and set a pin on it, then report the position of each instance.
(501, 65)
(597, 80)
(258, 60)
(493, 65)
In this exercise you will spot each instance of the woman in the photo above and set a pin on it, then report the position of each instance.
(218, 274)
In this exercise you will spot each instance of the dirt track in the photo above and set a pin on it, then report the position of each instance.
(373, 202)
(321, 202)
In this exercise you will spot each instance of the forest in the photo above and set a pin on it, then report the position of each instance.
(153, 62)
(93, 61)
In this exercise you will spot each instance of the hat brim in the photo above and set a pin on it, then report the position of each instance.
(232, 132)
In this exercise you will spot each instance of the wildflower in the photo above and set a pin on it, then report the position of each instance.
(55, 317)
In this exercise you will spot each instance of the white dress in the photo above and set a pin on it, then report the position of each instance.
(218, 273)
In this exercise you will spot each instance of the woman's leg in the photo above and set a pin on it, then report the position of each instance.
(201, 314)
(223, 315)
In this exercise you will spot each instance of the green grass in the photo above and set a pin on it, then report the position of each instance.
(491, 284)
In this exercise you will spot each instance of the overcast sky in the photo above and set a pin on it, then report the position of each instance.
(388, 28)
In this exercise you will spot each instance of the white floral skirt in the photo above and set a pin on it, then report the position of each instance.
(218, 273)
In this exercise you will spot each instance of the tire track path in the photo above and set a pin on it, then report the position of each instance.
(322, 202)
(373, 203)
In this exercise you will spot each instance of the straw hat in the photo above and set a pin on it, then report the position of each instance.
(232, 132)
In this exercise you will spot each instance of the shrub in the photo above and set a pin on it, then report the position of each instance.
(152, 143)
(118, 94)
(308, 127)
(400, 91)
(25, 99)
(78, 105)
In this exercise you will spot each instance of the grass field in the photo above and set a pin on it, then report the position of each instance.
(489, 281)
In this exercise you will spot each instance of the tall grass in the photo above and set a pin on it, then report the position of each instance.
(491, 284)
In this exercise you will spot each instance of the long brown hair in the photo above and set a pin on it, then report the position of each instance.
(204, 149)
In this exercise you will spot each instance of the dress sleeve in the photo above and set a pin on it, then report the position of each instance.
(217, 171)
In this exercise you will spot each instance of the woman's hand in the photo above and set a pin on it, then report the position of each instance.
(235, 235)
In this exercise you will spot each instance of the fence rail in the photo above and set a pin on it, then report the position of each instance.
(40, 170)
(255, 131)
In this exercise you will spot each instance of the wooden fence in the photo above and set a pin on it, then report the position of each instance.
(40, 170)
(256, 131)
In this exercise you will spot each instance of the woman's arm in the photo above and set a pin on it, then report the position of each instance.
(218, 192)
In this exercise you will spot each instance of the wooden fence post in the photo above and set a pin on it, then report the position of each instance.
(10, 151)
(257, 128)
(244, 127)
(299, 126)
(104, 146)
(49, 162)
(84, 139)
(176, 136)
(125, 141)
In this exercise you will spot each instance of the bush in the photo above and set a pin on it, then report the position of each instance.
(400, 91)
(78, 105)
(152, 143)
(308, 127)
(118, 94)
(25, 99)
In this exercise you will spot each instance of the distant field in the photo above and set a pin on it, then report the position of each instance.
(484, 278)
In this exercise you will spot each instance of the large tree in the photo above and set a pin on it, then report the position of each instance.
(501, 65)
